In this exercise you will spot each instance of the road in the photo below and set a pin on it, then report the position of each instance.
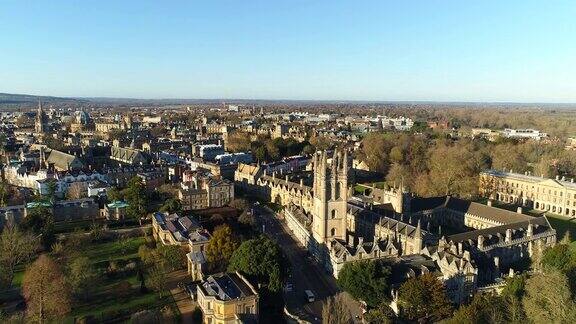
(305, 274)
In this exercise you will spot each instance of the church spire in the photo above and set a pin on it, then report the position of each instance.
(40, 119)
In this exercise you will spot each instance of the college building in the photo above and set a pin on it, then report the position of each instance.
(557, 195)
(472, 245)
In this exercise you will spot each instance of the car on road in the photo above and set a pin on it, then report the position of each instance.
(310, 296)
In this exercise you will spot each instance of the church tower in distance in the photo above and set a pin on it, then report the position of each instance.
(40, 124)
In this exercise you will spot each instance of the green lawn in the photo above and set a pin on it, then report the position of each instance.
(71, 226)
(108, 300)
(116, 250)
(359, 188)
(18, 277)
(562, 225)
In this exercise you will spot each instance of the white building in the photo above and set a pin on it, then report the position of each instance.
(524, 134)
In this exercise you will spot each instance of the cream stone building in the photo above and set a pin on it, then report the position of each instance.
(209, 192)
(471, 244)
(544, 194)
(171, 229)
(228, 299)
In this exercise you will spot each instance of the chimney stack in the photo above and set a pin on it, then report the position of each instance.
(350, 240)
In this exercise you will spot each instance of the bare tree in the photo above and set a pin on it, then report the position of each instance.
(45, 290)
(16, 247)
(76, 191)
(335, 311)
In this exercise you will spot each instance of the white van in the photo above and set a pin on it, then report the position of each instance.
(309, 296)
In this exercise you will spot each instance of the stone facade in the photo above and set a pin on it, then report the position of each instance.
(470, 244)
(552, 195)
(228, 299)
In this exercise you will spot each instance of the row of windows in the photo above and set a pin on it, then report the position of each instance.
(538, 189)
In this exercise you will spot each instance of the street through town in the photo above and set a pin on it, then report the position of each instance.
(305, 273)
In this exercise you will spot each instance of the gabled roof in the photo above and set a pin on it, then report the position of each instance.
(541, 225)
(126, 154)
(495, 214)
(62, 160)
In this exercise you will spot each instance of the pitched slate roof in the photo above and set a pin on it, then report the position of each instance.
(62, 160)
(541, 225)
(496, 214)
(127, 155)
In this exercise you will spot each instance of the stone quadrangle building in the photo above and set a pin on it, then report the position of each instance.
(468, 245)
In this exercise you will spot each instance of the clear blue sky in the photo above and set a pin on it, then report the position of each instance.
(439, 50)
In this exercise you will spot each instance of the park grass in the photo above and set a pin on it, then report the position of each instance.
(107, 300)
(361, 187)
(123, 249)
(18, 277)
(71, 226)
(562, 225)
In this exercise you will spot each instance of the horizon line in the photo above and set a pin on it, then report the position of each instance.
(297, 100)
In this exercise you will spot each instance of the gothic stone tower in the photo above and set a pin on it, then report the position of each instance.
(330, 197)
(40, 124)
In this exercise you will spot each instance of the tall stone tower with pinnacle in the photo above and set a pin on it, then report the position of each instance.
(39, 125)
(330, 197)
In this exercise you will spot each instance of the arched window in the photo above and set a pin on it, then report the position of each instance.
(333, 213)
(333, 232)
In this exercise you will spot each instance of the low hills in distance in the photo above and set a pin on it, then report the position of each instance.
(25, 101)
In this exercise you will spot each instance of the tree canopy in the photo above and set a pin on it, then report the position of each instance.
(16, 248)
(366, 280)
(263, 259)
(424, 297)
(171, 205)
(548, 298)
(45, 291)
(135, 195)
(221, 246)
